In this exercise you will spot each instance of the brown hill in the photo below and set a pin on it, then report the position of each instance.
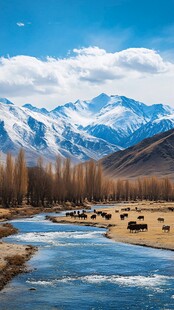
(152, 156)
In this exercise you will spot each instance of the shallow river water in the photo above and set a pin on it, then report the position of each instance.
(76, 267)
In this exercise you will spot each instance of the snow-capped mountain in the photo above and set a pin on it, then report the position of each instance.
(150, 129)
(44, 134)
(121, 117)
(34, 109)
(115, 119)
(80, 130)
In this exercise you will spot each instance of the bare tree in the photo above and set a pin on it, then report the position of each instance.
(21, 178)
(167, 189)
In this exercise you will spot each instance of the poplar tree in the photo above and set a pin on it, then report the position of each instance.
(49, 184)
(21, 177)
(167, 189)
(8, 182)
(57, 190)
(98, 182)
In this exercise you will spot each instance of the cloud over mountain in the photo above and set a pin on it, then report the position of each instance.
(23, 76)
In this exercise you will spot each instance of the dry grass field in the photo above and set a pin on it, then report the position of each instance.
(117, 228)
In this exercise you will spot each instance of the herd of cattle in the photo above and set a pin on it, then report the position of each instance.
(83, 215)
(77, 214)
(133, 226)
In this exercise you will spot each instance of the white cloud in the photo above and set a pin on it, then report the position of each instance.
(135, 72)
(92, 50)
(20, 24)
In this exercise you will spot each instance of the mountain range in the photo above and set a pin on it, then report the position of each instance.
(80, 130)
(152, 156)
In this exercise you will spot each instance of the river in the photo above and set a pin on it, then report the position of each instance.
(76, 267)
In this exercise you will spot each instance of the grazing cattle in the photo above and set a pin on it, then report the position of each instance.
(67, 214)
(103, 214)
(93, 217)
(125, 214)
(131, 223)
(137, 227)
(166, 228)
(108, 216)
(122, 217)
(125, 209)
(134, 227)
(143, 227)
(140, 217)
(83, 216)
(116, 211)
(171, 209)
(160, 220)
(99, 212)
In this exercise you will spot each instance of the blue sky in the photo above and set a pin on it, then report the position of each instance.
(54, 28)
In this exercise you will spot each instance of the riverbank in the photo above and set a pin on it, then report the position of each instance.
(29, 211)
(18, 212)
(12, 260)
(12, 256)
(7, 229)
(117, 228)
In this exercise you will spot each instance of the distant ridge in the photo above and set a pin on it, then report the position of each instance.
(152, 156)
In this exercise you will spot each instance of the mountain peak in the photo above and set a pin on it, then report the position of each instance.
(102, 96)
(29, 106)
(34, 109)
(97, 103)
(5, 101)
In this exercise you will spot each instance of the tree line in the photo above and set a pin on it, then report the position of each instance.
(50, 184)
